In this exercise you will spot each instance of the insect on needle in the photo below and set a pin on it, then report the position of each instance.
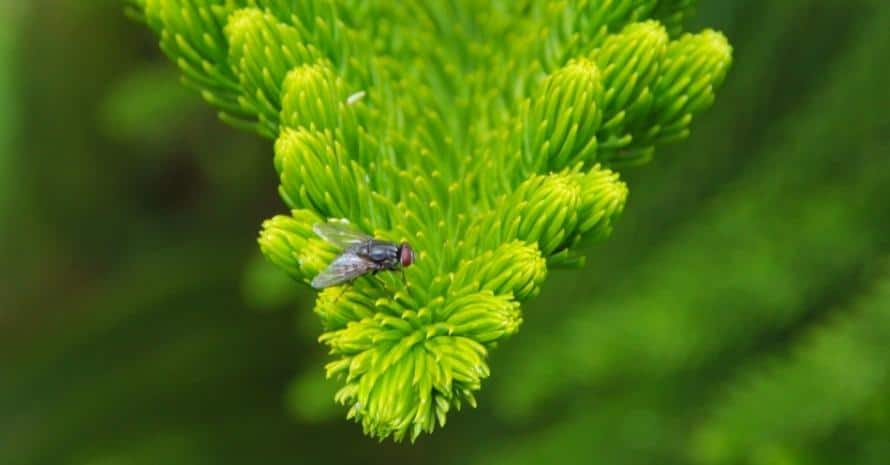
(361, 254)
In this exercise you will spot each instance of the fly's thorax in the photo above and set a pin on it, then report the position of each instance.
(385, 254)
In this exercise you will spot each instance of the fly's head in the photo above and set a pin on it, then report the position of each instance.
(406, 255)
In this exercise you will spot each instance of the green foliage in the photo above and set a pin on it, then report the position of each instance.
(774, 408)
(6, 122)
(129, 324)
(749, 322)
(603, 342)
(419, 135)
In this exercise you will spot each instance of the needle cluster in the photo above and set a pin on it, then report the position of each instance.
(485, 134)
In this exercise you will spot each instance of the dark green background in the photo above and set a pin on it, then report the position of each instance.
(739, 314)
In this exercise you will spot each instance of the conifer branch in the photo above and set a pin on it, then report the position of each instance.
(485, 134)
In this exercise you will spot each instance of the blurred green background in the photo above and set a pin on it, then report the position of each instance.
(740, 314)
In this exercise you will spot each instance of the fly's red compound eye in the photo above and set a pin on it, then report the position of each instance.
(406, 255)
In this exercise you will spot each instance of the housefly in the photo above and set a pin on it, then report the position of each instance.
(361, 254)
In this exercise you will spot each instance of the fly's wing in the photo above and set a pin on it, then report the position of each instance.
(340, 234)
(344, 268)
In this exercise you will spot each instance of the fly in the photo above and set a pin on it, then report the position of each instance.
(362, 254)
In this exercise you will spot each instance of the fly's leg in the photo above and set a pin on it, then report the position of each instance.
(382, 282)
